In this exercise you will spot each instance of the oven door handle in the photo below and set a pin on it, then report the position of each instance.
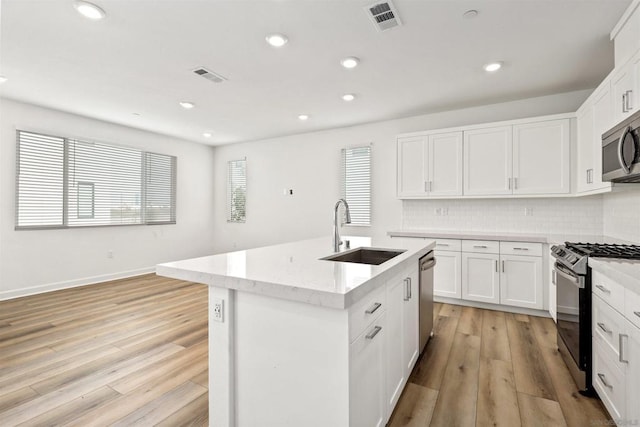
(578, 281)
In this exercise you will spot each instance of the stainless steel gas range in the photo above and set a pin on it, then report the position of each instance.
(572, 276)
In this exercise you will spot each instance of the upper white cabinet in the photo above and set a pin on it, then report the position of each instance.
(430, 165)
(543, 143)
(624, 88)
(488, 161)
(523, 159)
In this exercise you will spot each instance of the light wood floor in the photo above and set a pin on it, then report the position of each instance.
(134, 352)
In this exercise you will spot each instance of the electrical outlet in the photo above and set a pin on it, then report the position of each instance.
(218, 310)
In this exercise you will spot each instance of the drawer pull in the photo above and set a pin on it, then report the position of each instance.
(407, 289)
(604, 328)
(371, 335)
(620, 348)
(442, 244)
(637, 313)
(496, 266)
(373, 308)
(480, 246)
(603, 289)
(520, 249)
(603, 379)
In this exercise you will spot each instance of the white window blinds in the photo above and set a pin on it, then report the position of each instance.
(356, 183)
(95, 184)
(237, 191)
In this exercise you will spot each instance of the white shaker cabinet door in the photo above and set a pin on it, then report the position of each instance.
(446, 274)
(585, 170)
(541, 157)
(410, 314)
(488, 161)
(521, 281)
(445, 164)
(412, 164)
(480, 277)
(631, 353)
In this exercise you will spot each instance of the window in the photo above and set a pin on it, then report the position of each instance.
(63, 182)
(237, 191)
(356, 183)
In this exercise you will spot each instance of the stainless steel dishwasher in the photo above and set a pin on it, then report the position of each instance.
(427, 263)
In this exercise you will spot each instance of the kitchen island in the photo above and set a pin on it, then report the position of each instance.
(296, 340)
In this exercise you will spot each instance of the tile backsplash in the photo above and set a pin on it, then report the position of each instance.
(621, 214)
(564, 215)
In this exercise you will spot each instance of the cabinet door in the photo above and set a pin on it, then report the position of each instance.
(552, 290)
(410, 314)
(446, 274)
(445, 164)
(488, 161)
(521, 281)
(631, 353)
(366, 377)
(480, 277)
(602, 122)
(396, 294)
(623, 86)
(541, 158)
(585, 169)
(412, 163)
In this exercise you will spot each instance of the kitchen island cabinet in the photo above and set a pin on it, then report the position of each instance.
(307, 341)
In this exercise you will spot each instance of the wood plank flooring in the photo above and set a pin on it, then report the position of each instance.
(134, 352)
(490, 368)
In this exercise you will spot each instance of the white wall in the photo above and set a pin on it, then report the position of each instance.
(309, 163)
(621, 214)
(36, 261)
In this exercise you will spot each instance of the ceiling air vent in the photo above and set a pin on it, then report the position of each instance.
(209, 75)
(384, 15)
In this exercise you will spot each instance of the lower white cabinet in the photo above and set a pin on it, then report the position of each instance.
(616, 349)
(367, 376)
(447, 281)
(521, 281)
(480, 277)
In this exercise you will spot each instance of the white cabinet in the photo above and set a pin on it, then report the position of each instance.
(480, 277)
(402, 338)
(585, 147)
(551, 279)
(521, 281)
(488, 161)
(632, 355)
(367, 376)
(523, 159)
(447, 279)
(430, 165)
(541, 158)
(624, 89)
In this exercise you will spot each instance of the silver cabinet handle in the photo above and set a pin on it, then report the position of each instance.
(603, 289)
(624, 102)
(515, 183)
(442, 244)
(520, 249)
(587, 176)
(496, 266)
(590, 176)
(509, 183)
(373, 308)
(407, 287)
(554, 276)
(430, 186)
(637, 313)
(628, 100)
(604, 381)
(371, 335)
(503, 266)
(480, 246)
(426, 187)
(604, 328)
(620, 351)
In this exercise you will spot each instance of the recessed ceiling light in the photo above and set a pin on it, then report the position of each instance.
(470, 14)
(348, 97)
(493, 66)
(89, 10)
(3, 79)
(350, 62)
(207, 134)
(277, 40)
(187, 105)
(303, 117)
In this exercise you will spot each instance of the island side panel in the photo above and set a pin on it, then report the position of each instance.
(222, 360)
(292, 363)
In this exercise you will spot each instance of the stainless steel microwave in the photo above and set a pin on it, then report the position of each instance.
(621, 151)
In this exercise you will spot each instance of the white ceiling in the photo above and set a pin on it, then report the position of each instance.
(140, 57)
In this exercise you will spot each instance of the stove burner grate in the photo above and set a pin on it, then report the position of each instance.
(601, 250)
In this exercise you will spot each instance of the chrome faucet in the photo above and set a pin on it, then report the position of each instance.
(336, 232)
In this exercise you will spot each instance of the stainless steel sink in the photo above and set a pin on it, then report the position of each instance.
(369, 256)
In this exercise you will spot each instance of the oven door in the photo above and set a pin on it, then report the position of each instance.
(568, 287)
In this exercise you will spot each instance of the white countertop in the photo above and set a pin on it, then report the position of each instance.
(551, 238)
(294, 271)
(625, 272)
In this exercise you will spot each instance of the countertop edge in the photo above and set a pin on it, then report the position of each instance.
(611, 268)
(470, 236)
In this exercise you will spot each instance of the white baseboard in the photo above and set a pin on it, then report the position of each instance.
(499, 307)
(17, 293)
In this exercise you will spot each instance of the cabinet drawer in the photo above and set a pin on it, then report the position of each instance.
(610, 292)
(453, 245)
(521, 248)
(632, 307)
(608, 380)
(481, 246)
(365, 311)
(608, 324)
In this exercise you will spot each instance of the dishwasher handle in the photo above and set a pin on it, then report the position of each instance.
(427, 264)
